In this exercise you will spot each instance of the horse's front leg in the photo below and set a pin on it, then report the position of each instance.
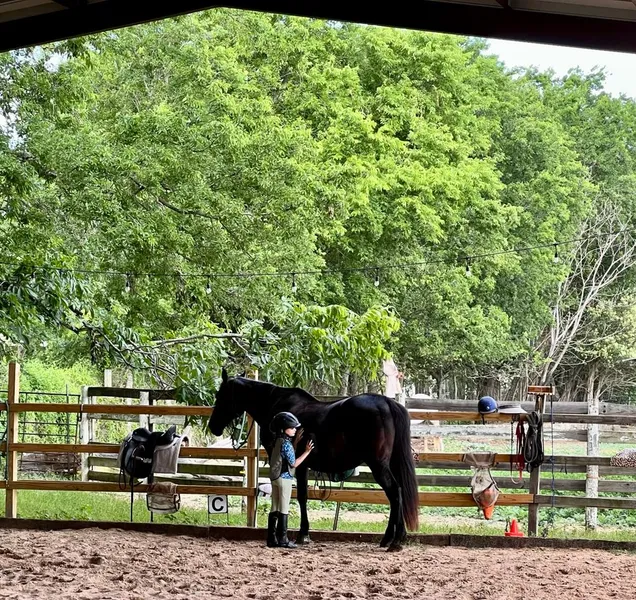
(302, 480)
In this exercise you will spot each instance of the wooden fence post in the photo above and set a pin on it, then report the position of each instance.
(251, 468)
(591, 474)
(129, 384)
(13, 397)
(92, 422)
(144, 420)
(535, 479)
(84, 431)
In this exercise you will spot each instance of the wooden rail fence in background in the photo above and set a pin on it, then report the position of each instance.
(241, 476)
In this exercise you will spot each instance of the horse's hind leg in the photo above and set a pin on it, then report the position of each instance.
(400, 525)
(395, 532)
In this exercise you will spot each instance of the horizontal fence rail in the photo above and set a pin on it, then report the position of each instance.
(569, 408)
(130, 409)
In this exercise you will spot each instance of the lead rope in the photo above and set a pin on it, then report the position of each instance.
(238, 446)
(320, 483)
(521, 438)
(533, 447)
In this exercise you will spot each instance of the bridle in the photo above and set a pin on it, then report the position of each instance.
(237, 432)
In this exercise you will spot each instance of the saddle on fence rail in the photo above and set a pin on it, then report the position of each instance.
(145, 452)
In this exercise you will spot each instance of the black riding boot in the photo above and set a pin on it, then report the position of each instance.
(272, 540)
(283, 541)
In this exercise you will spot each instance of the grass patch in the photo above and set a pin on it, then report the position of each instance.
(83, 506)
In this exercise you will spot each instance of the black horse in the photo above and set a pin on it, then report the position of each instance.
(368, 428)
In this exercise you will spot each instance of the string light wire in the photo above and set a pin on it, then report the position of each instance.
(465, 259)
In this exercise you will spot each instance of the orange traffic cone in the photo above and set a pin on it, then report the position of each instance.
(514, 530)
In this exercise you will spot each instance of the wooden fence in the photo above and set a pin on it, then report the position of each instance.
(613, 430)
(240, 477)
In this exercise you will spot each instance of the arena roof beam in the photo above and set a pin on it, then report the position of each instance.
(71, 3)
(601, 24)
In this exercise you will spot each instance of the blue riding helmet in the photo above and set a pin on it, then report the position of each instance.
(487, 405)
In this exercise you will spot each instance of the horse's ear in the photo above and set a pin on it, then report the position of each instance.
(224, 375)
(244, 373)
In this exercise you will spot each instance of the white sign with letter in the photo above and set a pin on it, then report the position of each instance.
(217, 504)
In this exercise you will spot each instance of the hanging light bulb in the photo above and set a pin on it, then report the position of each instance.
(128, 283)
(376, 283)
(208, 287)
(294, 286)
(468, 271)
(556, 258)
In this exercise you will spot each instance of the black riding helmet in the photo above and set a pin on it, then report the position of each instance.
(282, 421)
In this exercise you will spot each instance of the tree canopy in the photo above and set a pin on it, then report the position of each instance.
(205, 164)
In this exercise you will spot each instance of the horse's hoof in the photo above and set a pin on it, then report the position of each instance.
(394, 548)
(303, 539)
(385, 542)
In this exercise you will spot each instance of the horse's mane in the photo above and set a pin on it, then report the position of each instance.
(281, 392)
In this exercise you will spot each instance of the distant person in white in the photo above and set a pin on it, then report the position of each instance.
(393, 379)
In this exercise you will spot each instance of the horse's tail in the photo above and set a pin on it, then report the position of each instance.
(402, 465)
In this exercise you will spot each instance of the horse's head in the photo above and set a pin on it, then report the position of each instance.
(227, 406)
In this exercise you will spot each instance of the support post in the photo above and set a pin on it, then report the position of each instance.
(84, 431)
(251, 468)
(130, 385)
(13, 397)
(593, 448)
(144, 420)
(92, 422)
(535, 478)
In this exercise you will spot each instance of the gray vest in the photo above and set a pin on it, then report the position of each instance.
(278, 465)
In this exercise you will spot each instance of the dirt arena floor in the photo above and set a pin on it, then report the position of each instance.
(92, 564)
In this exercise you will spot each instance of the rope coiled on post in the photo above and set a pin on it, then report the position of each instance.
(533, 454)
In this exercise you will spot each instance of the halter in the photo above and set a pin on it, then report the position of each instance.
(237, 432)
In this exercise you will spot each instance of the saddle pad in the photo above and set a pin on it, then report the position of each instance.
(166, 458)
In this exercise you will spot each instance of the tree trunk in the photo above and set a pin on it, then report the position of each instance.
(461, 390)
(591, 480)
(344, 383)
(440, 385)
(489, 386)
(452, 391)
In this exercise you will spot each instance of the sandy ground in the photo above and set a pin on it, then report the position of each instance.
(92, 564)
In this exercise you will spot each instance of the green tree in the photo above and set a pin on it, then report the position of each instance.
(226, 142)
